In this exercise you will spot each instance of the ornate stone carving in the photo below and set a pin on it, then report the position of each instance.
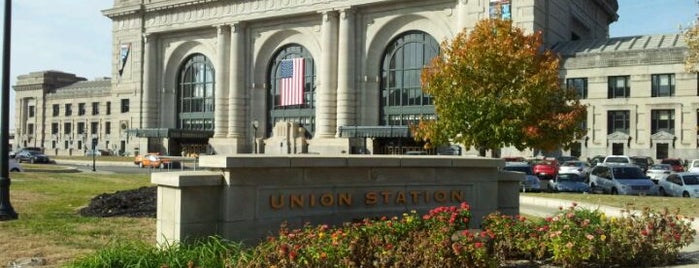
(618, 136)
(662, 136)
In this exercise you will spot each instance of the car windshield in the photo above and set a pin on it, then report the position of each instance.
(524, 169)
(570, 177)
(673, 162)
(626, 173)
(639, 161)
(616, 160)
(572, 164)
(661, 167)
(691, 180)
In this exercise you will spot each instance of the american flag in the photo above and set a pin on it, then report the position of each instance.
(292, 72)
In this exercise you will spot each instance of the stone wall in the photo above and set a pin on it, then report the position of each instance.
(246, 198)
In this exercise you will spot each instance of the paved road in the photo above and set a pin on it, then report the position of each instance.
(542, 207)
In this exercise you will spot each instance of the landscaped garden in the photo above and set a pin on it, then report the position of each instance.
(50, 227)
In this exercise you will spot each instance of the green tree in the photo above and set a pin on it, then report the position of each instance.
(691, 37)
(495, 87)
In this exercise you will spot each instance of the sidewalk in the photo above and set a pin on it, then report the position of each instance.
(542, 207)
(89, 162)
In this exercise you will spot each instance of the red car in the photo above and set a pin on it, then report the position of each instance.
(676, 164)
(545, 169)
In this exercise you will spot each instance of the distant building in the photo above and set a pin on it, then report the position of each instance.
(220, 77)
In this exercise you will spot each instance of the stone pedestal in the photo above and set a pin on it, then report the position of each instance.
(230, 146)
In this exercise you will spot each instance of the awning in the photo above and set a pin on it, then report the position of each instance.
(170, 133)
(375, 132)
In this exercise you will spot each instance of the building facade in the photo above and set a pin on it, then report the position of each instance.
(335, 76)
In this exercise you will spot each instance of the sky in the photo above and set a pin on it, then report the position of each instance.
(73, 36)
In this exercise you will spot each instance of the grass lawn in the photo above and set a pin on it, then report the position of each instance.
(48, 197)
(686, 206)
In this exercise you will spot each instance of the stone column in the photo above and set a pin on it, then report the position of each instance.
(327, 77)
(462, 13)
(221, 98)
(236, 93)
(346, 111)
(148, 97)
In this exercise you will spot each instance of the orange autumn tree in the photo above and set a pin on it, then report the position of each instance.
(496, 87)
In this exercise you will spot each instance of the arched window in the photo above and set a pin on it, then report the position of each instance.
(402, 99)
(292, 88)
(195, 94)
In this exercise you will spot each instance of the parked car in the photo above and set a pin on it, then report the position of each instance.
(569, 182)
(32, 157)
(597, 159)
(643, 162)
(531, 183)
(621, 178)
(617, 159)
(676, 163)
(693, 166)
(565, 158)
(14, 166)
(658, 171)
(684, 184)
(154, 160)
(545, 169)
(577, 167)
(98, 152)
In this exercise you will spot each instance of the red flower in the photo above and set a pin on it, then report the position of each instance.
(478, 245)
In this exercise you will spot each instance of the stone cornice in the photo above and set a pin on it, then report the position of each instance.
(121, 11)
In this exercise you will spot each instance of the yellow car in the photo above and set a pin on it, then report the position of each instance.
(154, 160)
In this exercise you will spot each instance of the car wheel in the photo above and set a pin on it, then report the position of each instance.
(140, 164)
(15, 170)
(685, 194)
(614, 191)
(662, 192)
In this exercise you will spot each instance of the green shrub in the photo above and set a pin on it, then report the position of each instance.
(573, 237)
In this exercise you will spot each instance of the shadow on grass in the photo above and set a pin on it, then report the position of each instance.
(52, 170)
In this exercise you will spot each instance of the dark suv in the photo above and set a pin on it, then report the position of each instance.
(643, 162)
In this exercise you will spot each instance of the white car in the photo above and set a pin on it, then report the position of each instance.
(684, 184)
(658, 172)
(693, 166)
(576, 167)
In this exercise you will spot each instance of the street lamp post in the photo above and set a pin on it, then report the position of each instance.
(94, 153)
(254, 135)
(6, 210)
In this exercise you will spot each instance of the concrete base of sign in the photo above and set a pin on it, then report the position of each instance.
(247, 197)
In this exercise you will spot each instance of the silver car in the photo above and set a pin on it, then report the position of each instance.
(619, 178)
(531, 182)
(685, 184)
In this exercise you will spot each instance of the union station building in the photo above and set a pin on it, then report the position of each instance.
(340, 77)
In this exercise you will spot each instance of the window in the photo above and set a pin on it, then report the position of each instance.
(95, 108)
(81, 128)
(56, 109)
(109, 108)
(107, 127)
(196, 94)
(618, 121)
(124, 105)
(303, 113)
(54, 128)
(618, 87)
(69, 109)
(662, 120)
(81, 108)
(31, 110)
(66, 128)
(500, 9)
(579, 85)
(94, 127)
(662, 85)
(402, 99)
(30, 129)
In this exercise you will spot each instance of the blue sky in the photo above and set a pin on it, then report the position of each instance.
(73, 36)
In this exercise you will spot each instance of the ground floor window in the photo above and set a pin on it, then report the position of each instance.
(618, 148)
(662, 150)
